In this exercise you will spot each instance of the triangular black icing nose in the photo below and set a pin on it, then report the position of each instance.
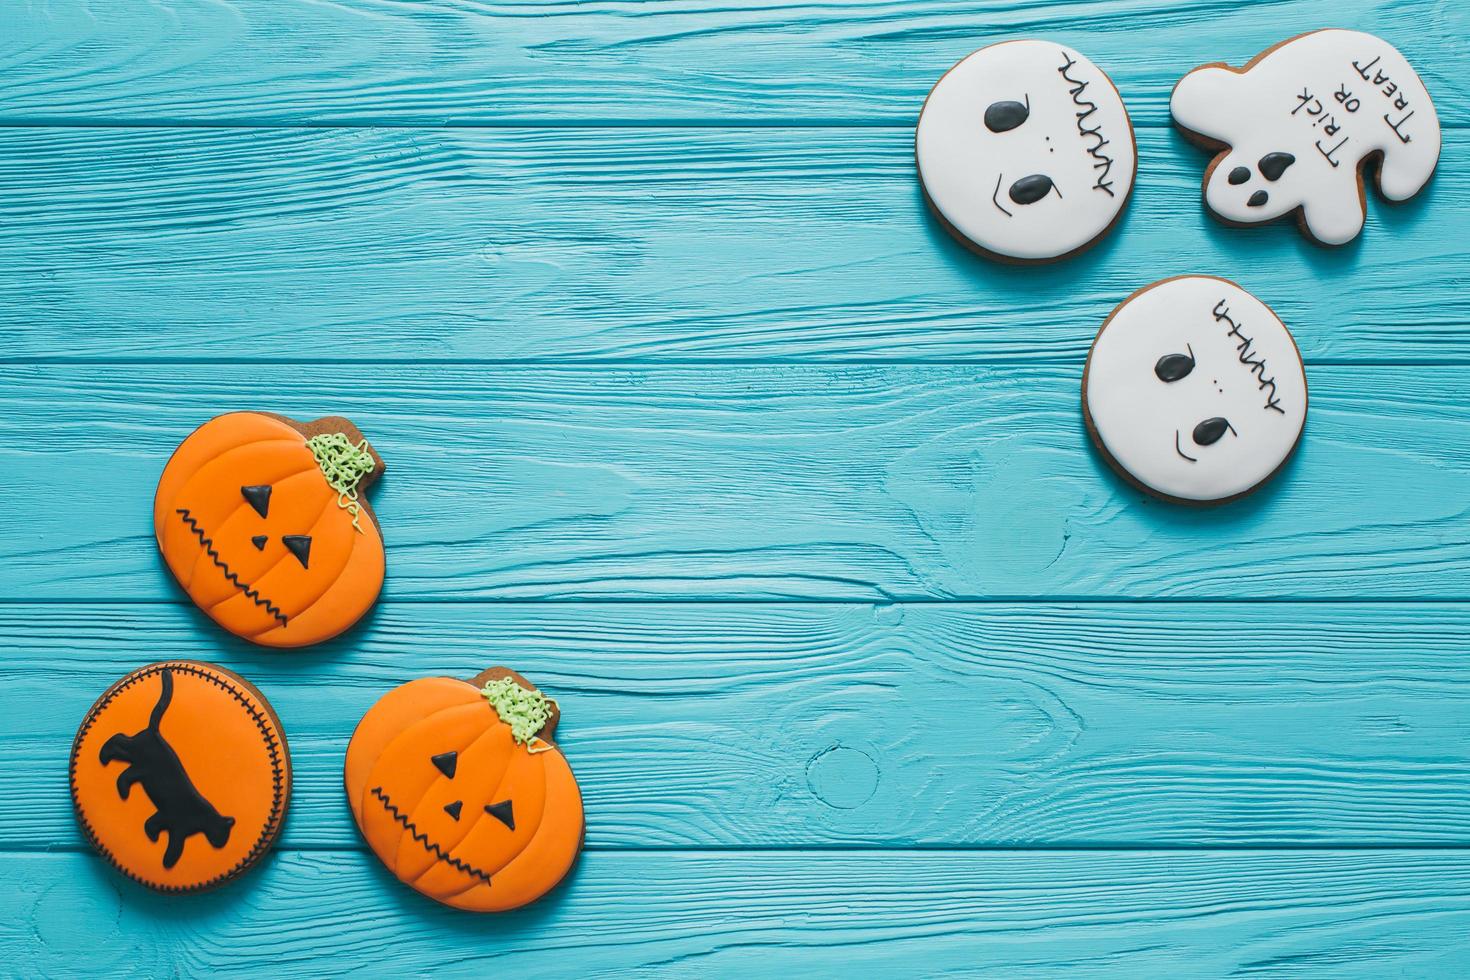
(445, 762)
(299, 545)
(453, 808)
(259, 542)
(257, 497)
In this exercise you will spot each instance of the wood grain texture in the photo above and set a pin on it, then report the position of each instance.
(870, 667)
(754, 725)
(1330, 914)
(795, 482)
(635, 245)
(483, 61)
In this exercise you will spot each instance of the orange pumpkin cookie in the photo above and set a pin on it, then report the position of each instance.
(459, 790)
(180, 775)
(260, 519)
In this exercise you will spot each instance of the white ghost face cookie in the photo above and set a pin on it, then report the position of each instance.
(1297, 124)
(1025, 151)
(1194, 390)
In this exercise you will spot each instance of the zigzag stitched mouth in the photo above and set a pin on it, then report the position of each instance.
(432, 848)
(219, 562)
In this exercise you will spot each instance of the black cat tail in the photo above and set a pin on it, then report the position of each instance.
(156, 718)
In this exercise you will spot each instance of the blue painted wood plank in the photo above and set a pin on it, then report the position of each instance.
(751, 725)
(634, 245)
(1338, 914)
(795, 482)
(296, 61)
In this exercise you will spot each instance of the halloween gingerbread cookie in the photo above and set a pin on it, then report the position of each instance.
(180, 775)
(459, 790)
(1194, 390)
(262, 521)
(1297, 125)
(1025, 151)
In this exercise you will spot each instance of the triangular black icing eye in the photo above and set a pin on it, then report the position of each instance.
(259, 542)
(1273, 165)
(1174, 367)
(299, 545)
(502, 811)
(445, 763)
(453, 808)
(1002, 117)
(257, 497)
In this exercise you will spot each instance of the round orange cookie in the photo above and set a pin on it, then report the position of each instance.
(459, 790)
(180, 775)
(259, 519)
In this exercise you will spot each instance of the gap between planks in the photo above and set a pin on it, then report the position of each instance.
(85, 122)
(844, 850)
(918, 600)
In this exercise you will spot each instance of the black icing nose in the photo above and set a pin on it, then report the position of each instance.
(1208, 432)
(1273, 165)
(1029, 190)
(1258, 199)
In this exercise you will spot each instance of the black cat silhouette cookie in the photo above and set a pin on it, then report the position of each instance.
(180, 775)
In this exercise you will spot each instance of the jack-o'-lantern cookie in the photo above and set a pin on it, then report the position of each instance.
(459, 790)
(1297, 125)
(1194, 390)
(262, 521)
(1025, 151)
(180, 775)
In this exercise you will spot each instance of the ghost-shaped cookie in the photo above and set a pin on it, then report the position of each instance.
(1025, 151)
(1194, 390)
(1296, 126)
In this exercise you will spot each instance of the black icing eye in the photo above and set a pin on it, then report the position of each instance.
(1029, 190)
(1239, 175)
(1208, 432)
(1175, 367)
(299, 545)
(503, 812)
(1257, 199)
(445, 762)
(1002, 117)
(1273, 165)
(257, 497)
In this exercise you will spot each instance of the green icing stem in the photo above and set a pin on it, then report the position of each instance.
(344, 465)
(526, 712)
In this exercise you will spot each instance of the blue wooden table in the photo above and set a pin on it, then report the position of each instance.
(868, 664)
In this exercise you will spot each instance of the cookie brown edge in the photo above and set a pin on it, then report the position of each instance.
(480, 680)
(1128, 477)
(1013, 260)
(325, 424)
(268, 838)
(1221, 150)
(329, 424)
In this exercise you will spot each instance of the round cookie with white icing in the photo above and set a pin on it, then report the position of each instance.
(1297, 124)
(1025, 151)
(1194, 390)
